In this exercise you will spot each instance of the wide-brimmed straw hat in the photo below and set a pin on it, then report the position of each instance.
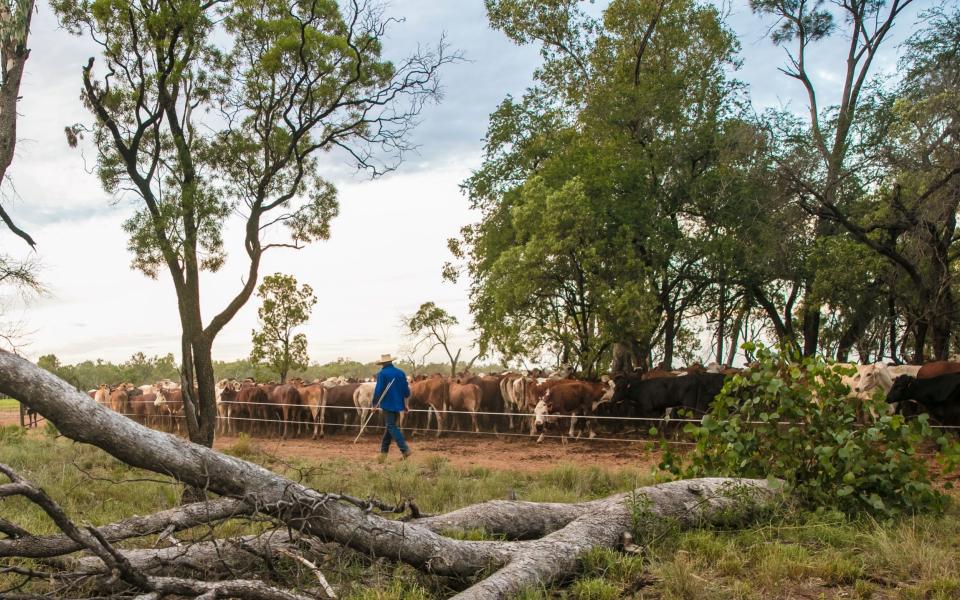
(384, 359)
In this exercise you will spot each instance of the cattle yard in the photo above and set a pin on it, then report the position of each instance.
(629, 413)
(482, 454)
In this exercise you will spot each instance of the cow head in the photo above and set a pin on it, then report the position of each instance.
(901, 389)
(623, 386)
(541, 413)
(867, 378)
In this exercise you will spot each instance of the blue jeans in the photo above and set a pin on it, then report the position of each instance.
(392, 433)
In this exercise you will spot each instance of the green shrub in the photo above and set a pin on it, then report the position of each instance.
(791, 419)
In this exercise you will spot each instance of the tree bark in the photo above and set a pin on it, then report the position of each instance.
(200, 559)
(569, 530)
(15, 19)
(863, 314)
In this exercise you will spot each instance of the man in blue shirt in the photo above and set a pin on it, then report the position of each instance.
(389, 396)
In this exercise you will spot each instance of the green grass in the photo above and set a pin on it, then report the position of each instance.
(8, 404)
(787, 554)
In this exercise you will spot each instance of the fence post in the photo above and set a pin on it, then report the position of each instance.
(23, 411)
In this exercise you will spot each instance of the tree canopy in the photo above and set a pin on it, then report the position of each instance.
(206, 109)
(284, 307)
(633, 204)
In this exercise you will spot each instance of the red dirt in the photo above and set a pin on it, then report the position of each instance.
(467, 452)
(519, 453)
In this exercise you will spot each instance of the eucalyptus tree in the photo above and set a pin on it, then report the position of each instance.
(908, 218)
(18, 275)
(820, 168)
(284, 307)
(431, 327)
(589, 179)
(15, 16)
(209, 109)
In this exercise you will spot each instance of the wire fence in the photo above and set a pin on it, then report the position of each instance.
(155, 413)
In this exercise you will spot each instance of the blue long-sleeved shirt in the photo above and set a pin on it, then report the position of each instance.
(394, 398)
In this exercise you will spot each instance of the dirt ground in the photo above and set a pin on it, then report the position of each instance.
(522, 454)
(519, 453)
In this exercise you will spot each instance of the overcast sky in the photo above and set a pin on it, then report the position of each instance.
(388, 244)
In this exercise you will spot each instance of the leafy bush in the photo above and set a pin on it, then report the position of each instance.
(790, 418)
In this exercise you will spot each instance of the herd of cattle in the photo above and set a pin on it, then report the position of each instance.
(509, 402)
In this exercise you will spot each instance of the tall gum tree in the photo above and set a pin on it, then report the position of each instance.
(592, 178)
(208, 109)
(820, 177)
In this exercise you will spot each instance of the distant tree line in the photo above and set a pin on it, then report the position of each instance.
(141, 369)
(633, 204)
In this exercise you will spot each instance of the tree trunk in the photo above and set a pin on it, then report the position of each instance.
(669, 337)
(919, 340)
(735, 333)
(721, 321)
(941, 324)
(892, 315)
(810, 326)
(515, 565)
(623, 358)
(862, 315)
(14, 28)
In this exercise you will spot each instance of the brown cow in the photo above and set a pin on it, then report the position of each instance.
(465, 397)
(285, 400)
(102, 395)
(571, 398)
(250, 399)
(144, 409)
(118, 400)
(937, 368)
(170, 405)
(227, 391)
(432, 394)
(491, 396)
(339, 398)
(312, 397)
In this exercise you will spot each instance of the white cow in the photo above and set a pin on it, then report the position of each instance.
(331, 382)
(225, 409)
(880, 375)
(363, 399)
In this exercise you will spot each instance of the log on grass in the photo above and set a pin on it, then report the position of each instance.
(566, 532)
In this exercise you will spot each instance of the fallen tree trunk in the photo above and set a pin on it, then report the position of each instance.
(568, 530)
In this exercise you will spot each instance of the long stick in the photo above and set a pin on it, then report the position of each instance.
(379, 400)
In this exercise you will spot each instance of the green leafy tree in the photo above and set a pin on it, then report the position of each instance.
(818, 168)
(593, 185)
(431, 327)
(284, 307)
(206, 110)
(49, 362)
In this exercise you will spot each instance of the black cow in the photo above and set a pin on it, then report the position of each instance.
(938, 396)
(635, 397)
